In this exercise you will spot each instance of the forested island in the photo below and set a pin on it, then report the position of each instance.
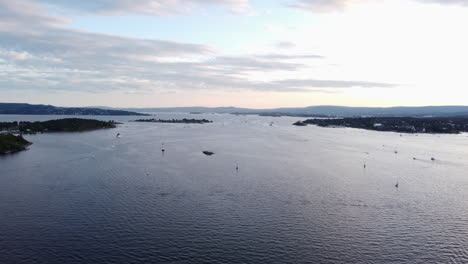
(10, 143)
(435, 125)
(59, 125)
(176, 121)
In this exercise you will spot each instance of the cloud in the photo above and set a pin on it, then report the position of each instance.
(446, 2)
(38, 53)
(337, 5)
(285, 45)
(13, 55)
(257, 63)
(313, 83)
(323, 5)
(147, 7)
(289, 57)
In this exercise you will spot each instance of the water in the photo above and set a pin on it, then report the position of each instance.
(301, 195)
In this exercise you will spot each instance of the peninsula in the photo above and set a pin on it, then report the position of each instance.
(10, 143)
(176, 121)
(59, 125)
(11, 139)
(434, 125)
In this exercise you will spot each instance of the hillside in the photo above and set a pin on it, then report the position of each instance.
(28, 109)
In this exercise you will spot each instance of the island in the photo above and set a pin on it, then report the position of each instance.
(434, 125)
(10, 143)
(59, 125)
(175, 121)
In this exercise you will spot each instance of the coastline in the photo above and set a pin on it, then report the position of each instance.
(10, 144)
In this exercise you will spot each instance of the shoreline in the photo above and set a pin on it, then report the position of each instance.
(407, 125)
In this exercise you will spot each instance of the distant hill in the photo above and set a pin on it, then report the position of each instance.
(194, 109)
(324, 110)
(28, 109)
(343, 111)
(340, 111)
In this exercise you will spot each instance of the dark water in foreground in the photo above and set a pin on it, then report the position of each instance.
(301, 195)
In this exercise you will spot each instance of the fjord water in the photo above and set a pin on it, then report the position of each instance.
(301, 195)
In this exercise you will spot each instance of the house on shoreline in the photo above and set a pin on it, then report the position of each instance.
(12, 132)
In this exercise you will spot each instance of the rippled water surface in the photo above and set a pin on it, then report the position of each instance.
(301, 195)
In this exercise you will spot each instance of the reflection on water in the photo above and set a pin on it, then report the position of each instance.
(300, 195)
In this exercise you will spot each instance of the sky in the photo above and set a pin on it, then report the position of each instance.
(244, 53)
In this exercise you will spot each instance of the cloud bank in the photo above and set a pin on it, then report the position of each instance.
(147, 7)
(38, 52)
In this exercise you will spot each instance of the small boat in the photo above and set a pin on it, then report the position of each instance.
(433, 159)
(118, 135)
(396, 185)
(208, 153)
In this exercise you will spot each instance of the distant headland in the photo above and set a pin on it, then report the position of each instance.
(10, 143)
(433, 125)
(175, 121)
(59, 125)
(11, 139)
